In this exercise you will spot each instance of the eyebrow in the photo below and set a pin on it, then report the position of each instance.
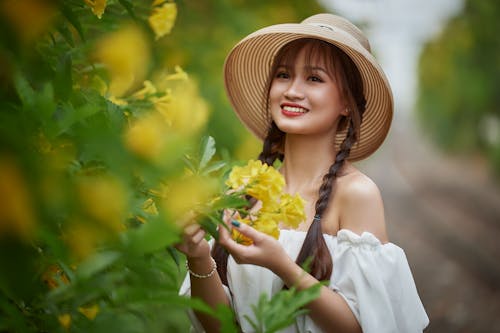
(309, 68)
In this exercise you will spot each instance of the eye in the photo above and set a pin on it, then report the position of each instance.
(315, 78)
(282, 75)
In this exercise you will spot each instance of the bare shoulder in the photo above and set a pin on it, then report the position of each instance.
(361, 205)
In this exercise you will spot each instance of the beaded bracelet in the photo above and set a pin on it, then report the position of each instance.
(204, 276)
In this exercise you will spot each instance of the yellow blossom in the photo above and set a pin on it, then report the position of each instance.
(162, 19)
(178, 75)
(65, 320)
(260, 181)
(292, 210)
(188, 194)
(185, 110)
(103, 199)
(125, 53)
(266, 184)
(53, 276)
(82, 237)
(117, 101)
(147, 136)
(238, 237)
(89, 311)
(17, 216)
(266, 224)
(149, 207)
(148, 89)
(97, 6)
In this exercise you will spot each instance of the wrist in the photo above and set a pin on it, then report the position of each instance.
(201, 268)
(290, 272)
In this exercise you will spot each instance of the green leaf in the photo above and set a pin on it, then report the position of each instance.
(97, 263)
(128, 7)
(229, 201)
(151, 236)
(209, 224)
(282, 309)
(63, 82)
(213, 167)
(24, 90)
(207, 151)
(175, 255)
(73, 19)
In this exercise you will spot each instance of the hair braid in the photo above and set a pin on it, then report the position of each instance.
(273, 145)
(314, 245)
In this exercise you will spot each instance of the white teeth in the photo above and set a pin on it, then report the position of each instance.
(294, 109)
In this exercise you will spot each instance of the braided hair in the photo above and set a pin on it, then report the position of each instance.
(351, 88)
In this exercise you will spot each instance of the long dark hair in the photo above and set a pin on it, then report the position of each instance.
(351, 89)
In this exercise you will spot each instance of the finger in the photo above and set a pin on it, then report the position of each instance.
(191, 229)
(198, 236)
(248, 231)
(224, 233)
(228, 215)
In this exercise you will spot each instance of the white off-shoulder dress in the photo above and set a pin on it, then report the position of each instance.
(373, 278)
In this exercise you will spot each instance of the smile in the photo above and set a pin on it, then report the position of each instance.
(292, 110)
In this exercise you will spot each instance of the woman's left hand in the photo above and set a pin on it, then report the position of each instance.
(265, 250)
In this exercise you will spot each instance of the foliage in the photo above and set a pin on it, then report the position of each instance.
(98, 165)
(459, 80)
(281, 311)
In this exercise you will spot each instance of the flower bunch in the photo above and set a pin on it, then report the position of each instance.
(273, 207)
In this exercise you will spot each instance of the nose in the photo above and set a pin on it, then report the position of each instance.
(294, 90)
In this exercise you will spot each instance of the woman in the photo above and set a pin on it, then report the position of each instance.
(316, 96)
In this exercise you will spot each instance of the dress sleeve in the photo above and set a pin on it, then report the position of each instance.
(377, 284)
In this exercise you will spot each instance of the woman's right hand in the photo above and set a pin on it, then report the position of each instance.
(194, 245)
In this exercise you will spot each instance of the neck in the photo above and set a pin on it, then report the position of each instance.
(307, 160)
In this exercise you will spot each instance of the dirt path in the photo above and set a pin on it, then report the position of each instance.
(445, 214)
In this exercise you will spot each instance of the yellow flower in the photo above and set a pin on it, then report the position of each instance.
(292, 210)
(242, 176)
(259, 180)
(89, 311)
(162, 18)
(149, 89)
(178, 75)
(53, 276)
(82, 237)
(238, 237)
(97, 6)
(117, 101)
(266, 184)
(17, 216)
(65, 320)
(125, 53)
(149, 207)
(184, 109)
(104, 200)
(267, 224)
(188, 194)
(147, 136)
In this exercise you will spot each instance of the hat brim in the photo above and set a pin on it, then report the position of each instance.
(247, 73)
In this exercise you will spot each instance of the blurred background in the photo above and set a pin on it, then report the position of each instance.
(438, 171)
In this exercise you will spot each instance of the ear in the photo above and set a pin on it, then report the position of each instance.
(345, 111)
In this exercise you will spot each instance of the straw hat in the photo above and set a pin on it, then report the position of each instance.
(248, 65)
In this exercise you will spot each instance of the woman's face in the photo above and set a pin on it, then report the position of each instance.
(304, 97)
